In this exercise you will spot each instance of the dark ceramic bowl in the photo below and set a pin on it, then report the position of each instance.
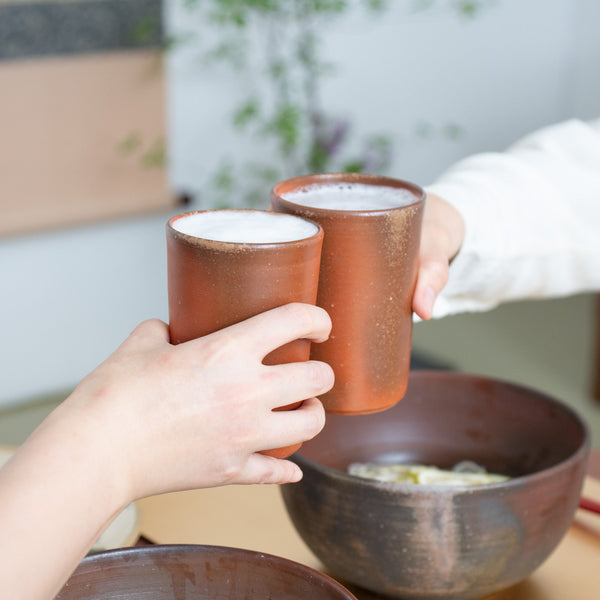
(198, 572)
(434, 542)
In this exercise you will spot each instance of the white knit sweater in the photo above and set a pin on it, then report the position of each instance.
(532, 218)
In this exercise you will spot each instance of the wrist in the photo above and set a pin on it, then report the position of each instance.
(61, 489)
(77, 436)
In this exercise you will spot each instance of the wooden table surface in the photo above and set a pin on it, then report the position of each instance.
(254, 517)
(594, 464)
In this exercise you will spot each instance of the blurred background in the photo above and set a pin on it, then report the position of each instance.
(117, 114)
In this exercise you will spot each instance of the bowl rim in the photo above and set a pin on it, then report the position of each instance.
(144, 552)
(582, 450)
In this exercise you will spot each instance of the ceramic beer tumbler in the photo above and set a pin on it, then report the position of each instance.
(369, 265)
(258, 261)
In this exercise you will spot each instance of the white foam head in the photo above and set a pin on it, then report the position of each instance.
(245, 226)
(350, 196)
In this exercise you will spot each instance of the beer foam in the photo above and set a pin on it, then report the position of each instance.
(351, 196)
(245, 226)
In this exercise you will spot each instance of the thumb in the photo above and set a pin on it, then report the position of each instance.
(441, 238)
(432, 277)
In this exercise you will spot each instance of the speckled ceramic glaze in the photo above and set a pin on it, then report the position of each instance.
(214, 284)
(368, 276)
(182, 572)
(427, 542)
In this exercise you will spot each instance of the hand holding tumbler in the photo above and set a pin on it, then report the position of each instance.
(225, 266)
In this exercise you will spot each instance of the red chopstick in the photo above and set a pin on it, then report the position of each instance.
(590, 505)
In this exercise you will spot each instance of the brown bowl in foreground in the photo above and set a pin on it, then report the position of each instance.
(433, 542)
(174, 572)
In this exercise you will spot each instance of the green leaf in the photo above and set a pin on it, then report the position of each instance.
(172, 42)
(290, 73)
(191, 4)
(285, 127)
(424, 130)
(307, 50)
(246, 113)
(228, 13)
(324, 7)
(224, 180)
(318, 159)
(146, 30)
(232, 50)
(423, 4)
(376, 5)
(277, 69)
(354, 166)
(453, 131)
(264, 172)
(155, 156)
(129, 144)
(257, 197)
(469, 9)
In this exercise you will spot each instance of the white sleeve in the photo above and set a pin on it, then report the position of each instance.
(532, 217)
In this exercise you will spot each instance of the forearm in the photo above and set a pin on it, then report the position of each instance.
(532, 215)
(156, 418)
(57, 494)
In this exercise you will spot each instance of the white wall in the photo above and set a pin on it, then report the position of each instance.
(68, 298)
(516, 67)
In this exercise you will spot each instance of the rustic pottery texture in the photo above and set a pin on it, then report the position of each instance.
(430, 542)
(200, 572)
(367, 280)
(214, 284)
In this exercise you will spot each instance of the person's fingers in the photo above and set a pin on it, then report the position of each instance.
(286, 383)
(263, 333)
(150, 332)
(287, 427)
(433, 276)
(261, 468)
(441, 238)
(287, 323)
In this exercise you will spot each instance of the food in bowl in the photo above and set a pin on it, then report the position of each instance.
(463, 473)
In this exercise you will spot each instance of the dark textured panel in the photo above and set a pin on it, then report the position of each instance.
(54, 28)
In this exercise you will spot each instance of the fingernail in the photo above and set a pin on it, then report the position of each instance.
(429, 299)
(297, 476)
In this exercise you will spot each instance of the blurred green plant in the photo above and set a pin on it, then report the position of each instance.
(279, 42)
(153, 155)
(283, 109)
